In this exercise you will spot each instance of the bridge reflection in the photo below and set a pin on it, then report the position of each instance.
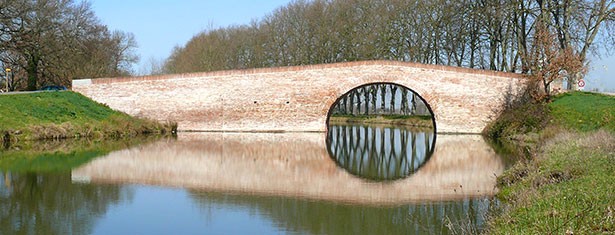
(297, 165)
(380, 153)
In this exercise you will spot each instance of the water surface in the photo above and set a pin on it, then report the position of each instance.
(261, 183)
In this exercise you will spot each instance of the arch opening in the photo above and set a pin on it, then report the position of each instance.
(381, 131)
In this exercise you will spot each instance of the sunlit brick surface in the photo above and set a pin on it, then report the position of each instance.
(298, 98)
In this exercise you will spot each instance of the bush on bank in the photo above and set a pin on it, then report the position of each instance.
(566, 185)
(61, 115)
(518, 116)
(577, 111)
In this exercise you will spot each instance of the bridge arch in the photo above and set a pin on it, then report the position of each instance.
(376, 131)
(344, 94)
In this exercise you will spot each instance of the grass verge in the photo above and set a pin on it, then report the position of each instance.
(566, 189)
(61, 115)
(566, 185)
(584, 111)
(395, 120)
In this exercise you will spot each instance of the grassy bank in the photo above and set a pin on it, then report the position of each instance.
(396, 120)
(566, 185)
(60, 115)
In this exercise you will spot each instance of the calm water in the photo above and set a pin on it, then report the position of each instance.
(354, 180)
(380, 153)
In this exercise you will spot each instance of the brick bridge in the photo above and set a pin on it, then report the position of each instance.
(298, 98)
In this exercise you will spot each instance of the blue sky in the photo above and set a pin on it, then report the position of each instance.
(160, 25)
(602, 73)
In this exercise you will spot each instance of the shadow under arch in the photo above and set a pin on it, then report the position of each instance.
(387, 147)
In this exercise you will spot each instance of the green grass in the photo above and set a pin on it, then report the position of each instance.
(58, 115)
(393, 120)
(19, 111)
(389, 117)
(567, 185)
(568, 188)
(578, 111)
(584, 111)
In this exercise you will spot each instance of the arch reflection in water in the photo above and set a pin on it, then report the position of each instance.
(380, 153)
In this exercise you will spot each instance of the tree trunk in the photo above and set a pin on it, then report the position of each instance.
(358, 96)
(573, 82)
(32, 71)
(366, 95)
(383, 91)
(374, 94)
(393, 94)
(351, 103)
(413, 110)
(404, 102)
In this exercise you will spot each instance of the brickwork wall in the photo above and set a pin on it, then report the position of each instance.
(298, 98)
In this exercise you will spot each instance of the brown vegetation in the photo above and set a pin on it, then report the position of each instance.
(48, 42)
(566, 187)
(547, 62)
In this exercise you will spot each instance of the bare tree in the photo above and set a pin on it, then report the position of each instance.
(577, 23)
(53, 41)
(487, 34)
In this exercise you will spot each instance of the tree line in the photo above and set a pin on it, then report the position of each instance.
(486, 34)
(47, 42)
(380, 99)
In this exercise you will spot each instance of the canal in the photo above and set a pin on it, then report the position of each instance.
(355, 179)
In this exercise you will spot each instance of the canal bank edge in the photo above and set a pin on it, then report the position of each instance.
(66, 114)
(424, 122)
(565, 184)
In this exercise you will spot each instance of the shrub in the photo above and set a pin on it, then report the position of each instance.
(519, 114)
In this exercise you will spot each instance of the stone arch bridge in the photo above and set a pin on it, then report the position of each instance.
(298, 99)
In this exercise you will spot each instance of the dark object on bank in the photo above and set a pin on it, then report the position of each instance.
(53, 88)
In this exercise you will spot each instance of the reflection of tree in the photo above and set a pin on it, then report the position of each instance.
(318, 217)
(379, 153)
(381, 99)
(51, 204)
